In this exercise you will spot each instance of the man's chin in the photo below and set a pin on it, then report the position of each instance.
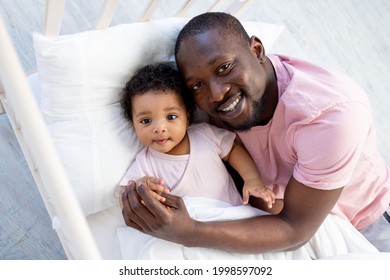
(253, 120)
(238, 127)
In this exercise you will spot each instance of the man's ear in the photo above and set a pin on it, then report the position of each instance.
(257, 48)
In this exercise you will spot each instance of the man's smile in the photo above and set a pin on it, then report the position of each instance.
(232, 107)
(230, 104)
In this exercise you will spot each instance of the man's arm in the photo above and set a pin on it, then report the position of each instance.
(304, 210)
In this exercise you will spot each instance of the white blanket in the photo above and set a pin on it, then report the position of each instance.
(335, 237)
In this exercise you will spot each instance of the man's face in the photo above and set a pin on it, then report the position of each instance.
(226, 78)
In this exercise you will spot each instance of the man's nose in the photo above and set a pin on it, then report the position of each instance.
(218, 91)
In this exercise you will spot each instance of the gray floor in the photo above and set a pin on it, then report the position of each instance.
(350, 36)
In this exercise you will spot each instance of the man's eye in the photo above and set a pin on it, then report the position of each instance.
(145, 121)
(223, 68)
(171, 117)
(196, 86)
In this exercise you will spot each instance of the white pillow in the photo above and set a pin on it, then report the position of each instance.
(82, 77)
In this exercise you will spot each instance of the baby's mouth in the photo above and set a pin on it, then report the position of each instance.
(161, 141)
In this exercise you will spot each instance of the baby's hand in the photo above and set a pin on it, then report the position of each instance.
(155, 185)
(258, 190)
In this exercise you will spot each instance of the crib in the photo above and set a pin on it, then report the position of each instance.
(35, 140)
(85, 220)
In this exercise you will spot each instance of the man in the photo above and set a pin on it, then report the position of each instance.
(309, 130)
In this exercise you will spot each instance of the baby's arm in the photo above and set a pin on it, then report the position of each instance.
(242, 162)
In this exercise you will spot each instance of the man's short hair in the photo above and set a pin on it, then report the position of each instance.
(225, 24)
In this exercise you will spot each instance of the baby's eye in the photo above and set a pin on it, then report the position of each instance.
(171, 117)
(145, 121)
(222, 68)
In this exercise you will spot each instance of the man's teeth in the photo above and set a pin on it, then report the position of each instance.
(232, 105)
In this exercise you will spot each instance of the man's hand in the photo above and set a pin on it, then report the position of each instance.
(168, 220)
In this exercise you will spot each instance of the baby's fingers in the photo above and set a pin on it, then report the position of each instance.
(152, 183)
(265, 195)
(245, 196)
(160, 196)
(160, 189)
(154, 180)
(270, 198)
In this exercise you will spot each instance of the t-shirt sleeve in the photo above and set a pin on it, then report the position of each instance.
(222, 138)
(329, 147)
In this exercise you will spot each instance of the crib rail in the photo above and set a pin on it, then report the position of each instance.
(20, 105)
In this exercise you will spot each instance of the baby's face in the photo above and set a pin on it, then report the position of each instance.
(160, 120)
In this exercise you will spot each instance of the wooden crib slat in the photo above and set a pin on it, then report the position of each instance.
(186, 7)
(149, 10)
(2, 110)
(107, 13)
(53, 17)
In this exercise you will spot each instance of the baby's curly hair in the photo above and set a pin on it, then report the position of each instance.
(161, 76)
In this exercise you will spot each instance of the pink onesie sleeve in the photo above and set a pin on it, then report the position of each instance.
(222, 138)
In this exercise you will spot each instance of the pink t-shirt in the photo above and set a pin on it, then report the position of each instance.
(202, 173)
(323, 134)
